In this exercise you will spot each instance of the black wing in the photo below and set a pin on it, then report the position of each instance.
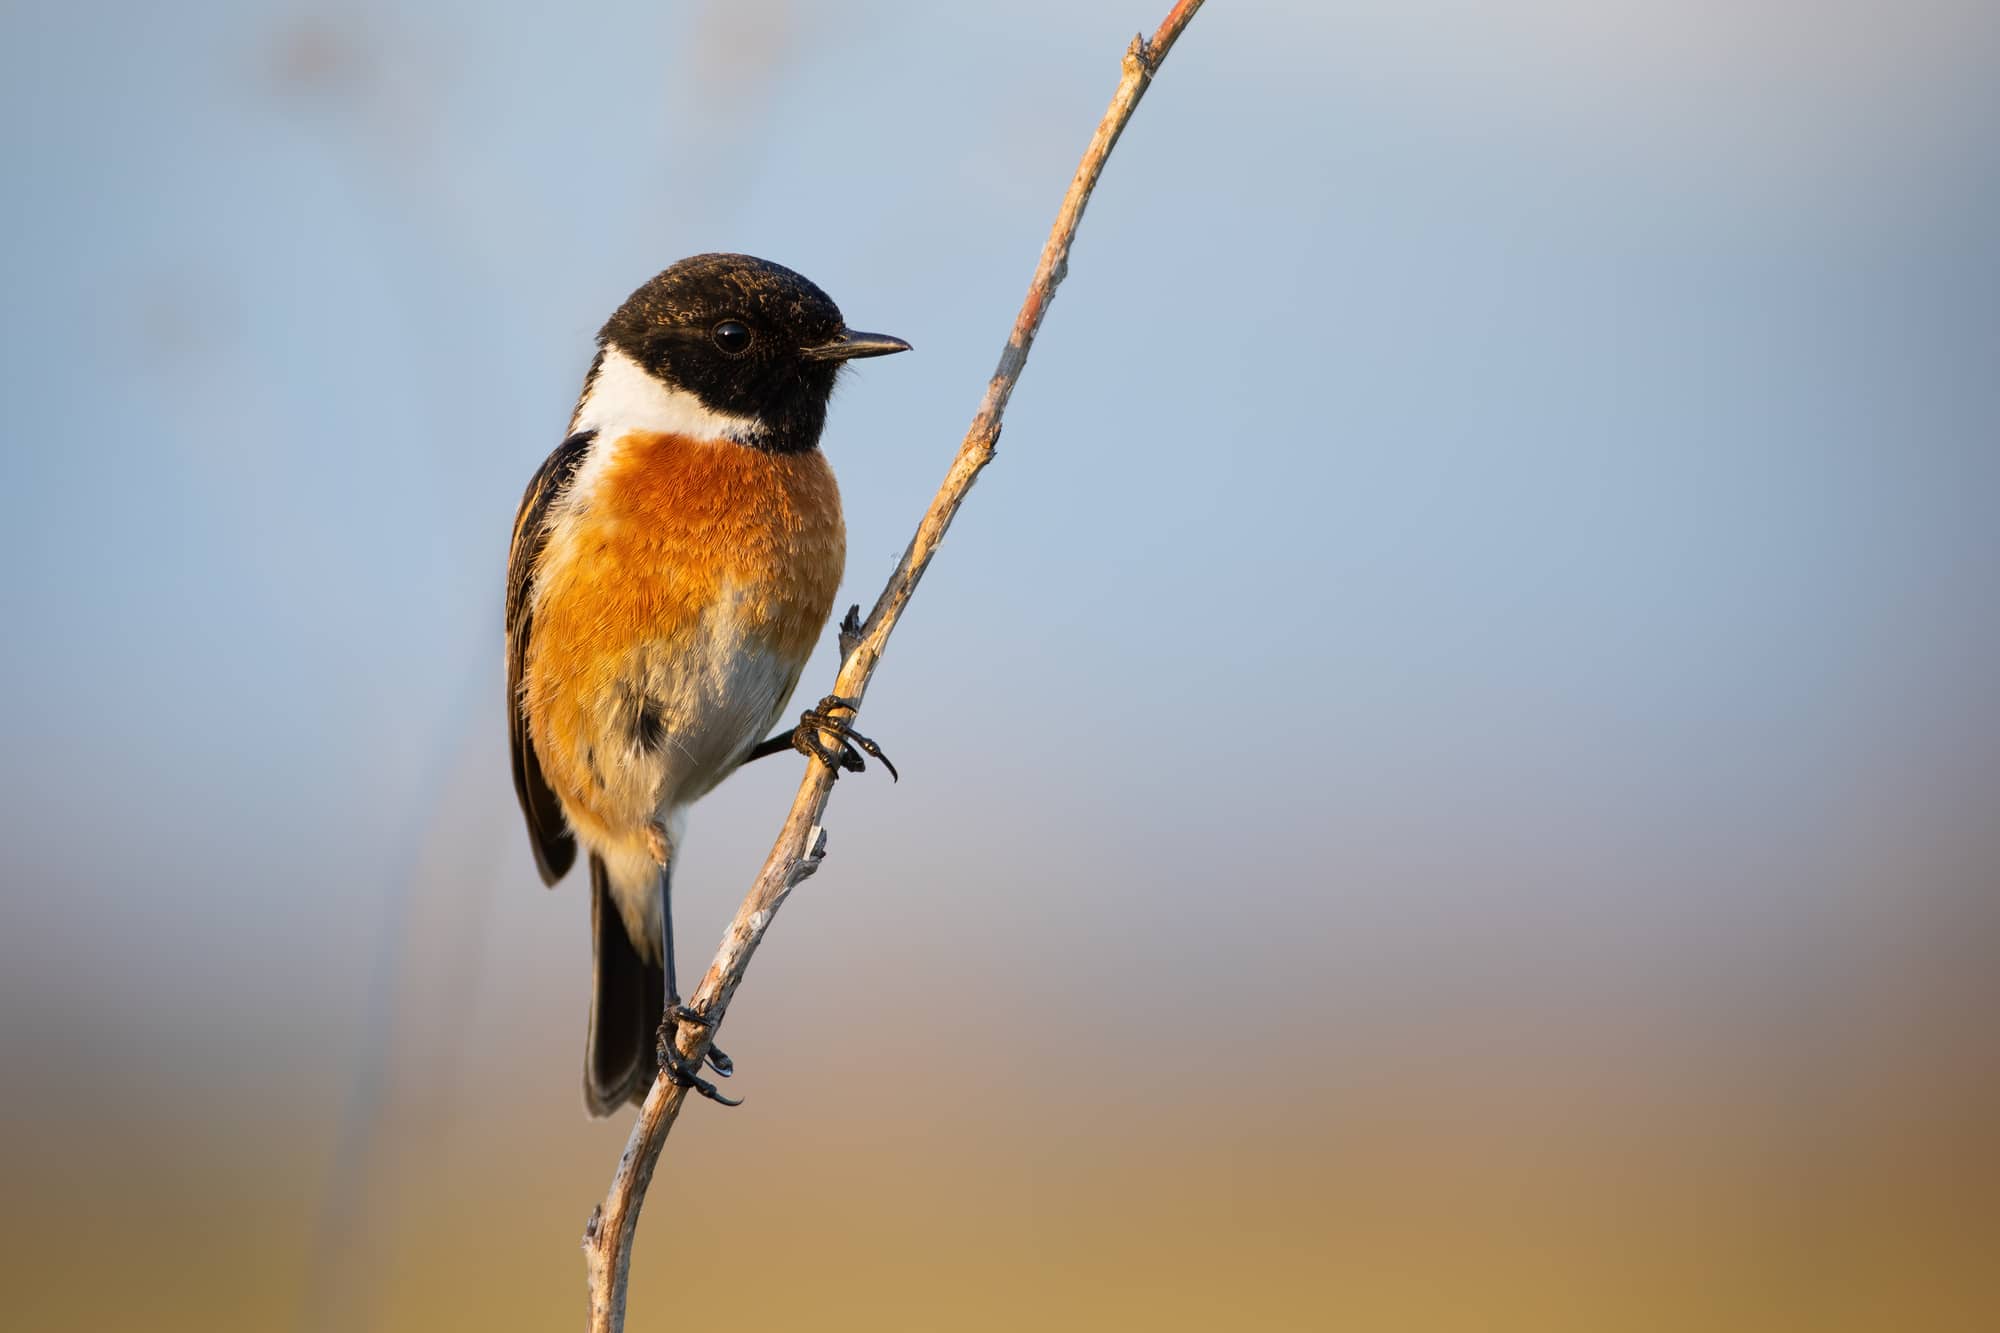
(555, 847)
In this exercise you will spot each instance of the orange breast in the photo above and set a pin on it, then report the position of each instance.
(673, 519)
(653, 542)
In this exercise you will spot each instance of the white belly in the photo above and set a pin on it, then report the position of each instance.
(682, 716)
(683, 713)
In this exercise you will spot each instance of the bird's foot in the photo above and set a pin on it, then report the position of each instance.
(847, 757)
(676, 1066)
(686, 1017)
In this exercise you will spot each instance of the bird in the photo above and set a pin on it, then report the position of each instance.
(674, 561)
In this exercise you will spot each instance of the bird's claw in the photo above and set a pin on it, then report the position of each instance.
(679, 1072)
(847, 758)
(680, 1014)
(676, 1066)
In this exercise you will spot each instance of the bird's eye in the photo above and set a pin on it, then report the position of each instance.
(732, 336)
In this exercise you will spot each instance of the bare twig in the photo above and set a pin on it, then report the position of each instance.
(607, 1237)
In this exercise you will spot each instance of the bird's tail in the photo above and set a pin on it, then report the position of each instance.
(626, 1000)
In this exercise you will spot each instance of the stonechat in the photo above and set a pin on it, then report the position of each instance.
(673, 563)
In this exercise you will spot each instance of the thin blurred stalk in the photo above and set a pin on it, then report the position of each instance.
(336, 1287)
(801, 844)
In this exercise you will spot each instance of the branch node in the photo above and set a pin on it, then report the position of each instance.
(850, 631)
(808, 865)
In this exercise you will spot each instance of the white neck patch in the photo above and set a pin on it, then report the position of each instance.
(623, 397)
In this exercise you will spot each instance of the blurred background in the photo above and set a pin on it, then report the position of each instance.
(1451, 772)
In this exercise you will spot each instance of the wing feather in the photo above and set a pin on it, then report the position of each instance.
(548, 832)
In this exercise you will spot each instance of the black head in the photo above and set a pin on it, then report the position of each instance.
(746, 337)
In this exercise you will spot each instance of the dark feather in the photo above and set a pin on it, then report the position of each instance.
(626, 1000)
(555, 847)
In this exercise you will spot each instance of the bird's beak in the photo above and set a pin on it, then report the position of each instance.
(853, 344)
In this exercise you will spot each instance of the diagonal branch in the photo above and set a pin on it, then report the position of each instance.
(607, 1238)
